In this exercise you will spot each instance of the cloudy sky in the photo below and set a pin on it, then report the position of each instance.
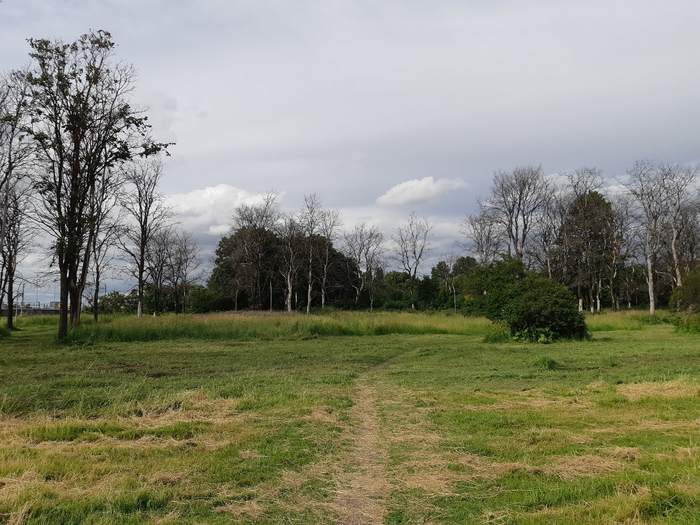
(383, 108)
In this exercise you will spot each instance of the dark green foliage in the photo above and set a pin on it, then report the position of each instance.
(491, 288)
(533, 307)
(686, 298)
(542, 310)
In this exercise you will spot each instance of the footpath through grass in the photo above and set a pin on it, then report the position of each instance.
(311, 427)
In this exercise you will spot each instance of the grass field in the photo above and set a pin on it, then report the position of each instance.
(348, 418)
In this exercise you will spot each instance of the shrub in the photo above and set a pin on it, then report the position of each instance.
(4, 332)
(533, 307)
(543, 311)
(687, 297)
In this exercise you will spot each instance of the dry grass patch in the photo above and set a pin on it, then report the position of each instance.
(571, 467)
(675, 389)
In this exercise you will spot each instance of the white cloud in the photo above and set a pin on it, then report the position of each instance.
(210, 210)
(419, 190)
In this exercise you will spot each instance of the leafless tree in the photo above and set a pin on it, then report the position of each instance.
(363, 246)
(291, 234)
(516, 199)
(411, 240)
(183, 263)
(16, 242)
(677, 182)
(262, 216)
(647, 186)
(310, 221)
(485, 235)
(158, 258)
(15, 147)
(328, 228)
(108, 228)
(145, 214)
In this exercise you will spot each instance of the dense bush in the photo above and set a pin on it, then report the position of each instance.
(687, 297)
(533, 307)
(542, 311)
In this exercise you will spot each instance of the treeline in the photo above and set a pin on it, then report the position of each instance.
(617, 248)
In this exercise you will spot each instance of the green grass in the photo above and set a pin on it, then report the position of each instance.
(254, 419)
(275, 326)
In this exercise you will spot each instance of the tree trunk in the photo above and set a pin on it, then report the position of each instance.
(10, 298)
(96, 297)
(650, 284)
(309, 290)
(139, 307)
(63, 307)
(676, 262)
(288, 298)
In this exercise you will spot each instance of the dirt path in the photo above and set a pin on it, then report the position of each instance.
(364, 488)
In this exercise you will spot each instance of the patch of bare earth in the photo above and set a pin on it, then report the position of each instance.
(363, 488)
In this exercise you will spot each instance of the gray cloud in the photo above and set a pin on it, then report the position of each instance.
(351, 98)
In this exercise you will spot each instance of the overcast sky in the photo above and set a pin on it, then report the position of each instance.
(387, 107)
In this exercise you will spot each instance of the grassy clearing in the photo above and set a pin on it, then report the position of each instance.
(301, 427)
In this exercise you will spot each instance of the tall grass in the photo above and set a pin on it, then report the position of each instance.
(275, 326)
(624, 320)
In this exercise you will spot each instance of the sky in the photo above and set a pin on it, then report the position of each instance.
(384, 108)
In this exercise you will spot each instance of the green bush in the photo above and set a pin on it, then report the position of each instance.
(533, 307)
(543, 311)
(686, 298)
(4, 332)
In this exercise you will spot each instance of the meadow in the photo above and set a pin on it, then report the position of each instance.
(348, 418)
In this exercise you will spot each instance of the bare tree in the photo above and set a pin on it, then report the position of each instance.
(145, 213)
(183, 263)
(253, 230)
(677, 181)
(310, 221)
(82, 123)
(516, 199)
(363, 247)
(328, 228)
(158, 259)
(15, 147)
(647, 185)
(411, 240)
(291, 234)
(485, 235)
(16, 241)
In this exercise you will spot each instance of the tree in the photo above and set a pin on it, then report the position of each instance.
(291, 237)
(14, 246)
(363, 249)
(647, 186)
(82, 123)
(157, 261)
(329, 224)
(145, 213)
(587, 239)
(252, 246)
(411, 240)
(183, 263)
(677, 181)
(485, 235)
(516, 199)
(310, 221)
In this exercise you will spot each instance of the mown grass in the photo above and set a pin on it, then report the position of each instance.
(229, 429)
